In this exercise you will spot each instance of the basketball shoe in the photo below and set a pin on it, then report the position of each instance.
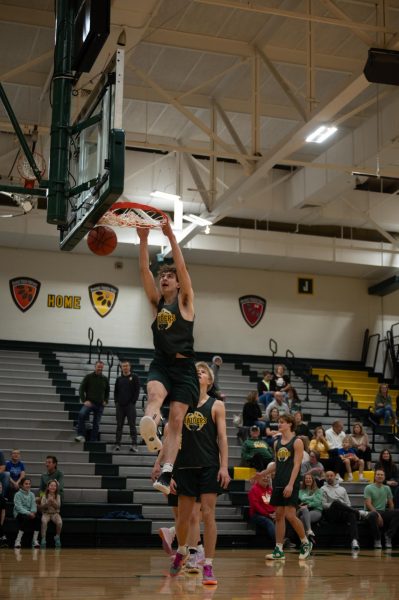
(277, 554)
(305, 550)
(177, 564)
(208, 577)
(167, 537)
(148, 431)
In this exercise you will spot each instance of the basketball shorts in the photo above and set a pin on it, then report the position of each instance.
(173, 500)
(278, 499)
(179, 377)
(197, 481)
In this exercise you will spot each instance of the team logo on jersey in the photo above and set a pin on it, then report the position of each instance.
(283, 454)
(195, 421)
(252, 309)
(165, 319)
(103, 297)
(24, 292)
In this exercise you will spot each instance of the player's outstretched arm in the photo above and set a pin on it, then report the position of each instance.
(184, 278)
(147, 277)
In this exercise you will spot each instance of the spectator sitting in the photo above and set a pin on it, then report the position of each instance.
(50, 507)
(281, 378)
(4, 476)
(252, 413)
(350, 459)
(385, 462)
(53, 472)
(334, 437)
(337, 507)
(278, 403)
(16, 468)
(383, 404)
(292, 399)
(313, 467)
(3, 506)
(266, 388)
(379, 504)
(311, 504)
(262, 514)
(319, 444)
(272, 429)
(94, 395)
(25, 512)
(255, 451)
(301, 428)
(360, 442)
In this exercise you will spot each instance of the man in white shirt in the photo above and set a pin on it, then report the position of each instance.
(334, 437)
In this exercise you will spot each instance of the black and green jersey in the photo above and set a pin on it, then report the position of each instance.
(172, 333)
(284, 457)
(199, 446)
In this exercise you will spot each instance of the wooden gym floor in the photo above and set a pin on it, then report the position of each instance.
(105, 574)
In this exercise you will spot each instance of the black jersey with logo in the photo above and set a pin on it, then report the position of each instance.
(284, 457)
(172, 333)
(199, 446)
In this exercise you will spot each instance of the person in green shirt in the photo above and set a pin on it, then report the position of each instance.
(378, 502)
(255, 451)
(311, 504)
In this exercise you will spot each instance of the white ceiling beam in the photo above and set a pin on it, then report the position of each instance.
(283, 84)
(184, 111)
(378, 227)
(28, 66)
(216, 77)
(277, 54)
(287, 14)
(335, 10)
(201, 187)
(242, 188)
(230, 128)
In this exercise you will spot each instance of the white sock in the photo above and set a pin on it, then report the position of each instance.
(208, 561)
(19, 537)
(279, 546)
(35, 536)
(167, 468)
(182, 550)
(172, 531)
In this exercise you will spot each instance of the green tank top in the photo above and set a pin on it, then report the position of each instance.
(199, 447)
(284, 457)
(172, 333)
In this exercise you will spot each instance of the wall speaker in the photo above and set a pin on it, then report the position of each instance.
(382, 66)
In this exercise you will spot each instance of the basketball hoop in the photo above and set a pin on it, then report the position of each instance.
(132, 214)
(26, 172)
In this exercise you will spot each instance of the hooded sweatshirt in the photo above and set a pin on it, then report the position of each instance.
(334, 492)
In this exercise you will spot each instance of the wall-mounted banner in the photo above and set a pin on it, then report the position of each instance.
(252, 309)
(24, 292)
(103, 297)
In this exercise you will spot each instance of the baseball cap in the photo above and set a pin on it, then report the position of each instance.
(255, 428)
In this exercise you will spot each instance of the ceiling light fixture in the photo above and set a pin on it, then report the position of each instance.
(321, 134)
(197, 220)
(164, 195)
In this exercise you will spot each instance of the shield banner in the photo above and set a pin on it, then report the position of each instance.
(24, 292)
(103, 297)
(252, 309)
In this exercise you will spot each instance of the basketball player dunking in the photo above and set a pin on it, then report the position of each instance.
(172, 373)
(288, 450)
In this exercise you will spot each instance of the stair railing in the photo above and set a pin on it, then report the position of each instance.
(307, 376)
(273, 349)
(330, 388)
(290, 356)
(99, 346)
(349, 407)
(90, 334)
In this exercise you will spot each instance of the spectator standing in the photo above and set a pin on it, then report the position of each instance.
(4, 476)
(262, 514)
(256, 451)
(25, 512)
(383, 404)
(94, 394)
(126, 394)
(381, 514)
(16, 468)
(53, 473)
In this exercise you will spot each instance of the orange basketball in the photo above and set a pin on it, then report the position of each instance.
(102, 240)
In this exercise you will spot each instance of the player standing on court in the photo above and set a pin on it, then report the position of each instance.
(172, 373)
(288, 450)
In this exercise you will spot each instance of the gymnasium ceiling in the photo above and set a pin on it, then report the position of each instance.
(221, 94)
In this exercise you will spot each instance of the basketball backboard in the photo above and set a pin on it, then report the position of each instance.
(96, 155)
